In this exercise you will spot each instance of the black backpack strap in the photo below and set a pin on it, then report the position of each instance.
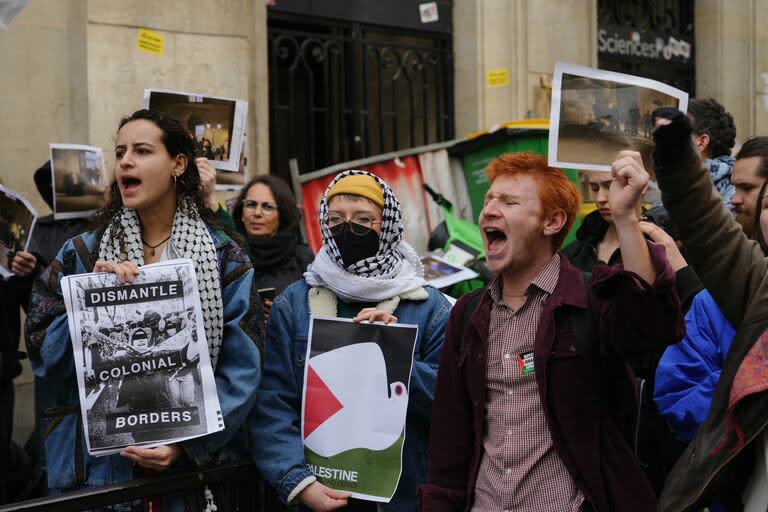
(472, 302)
(587, 342)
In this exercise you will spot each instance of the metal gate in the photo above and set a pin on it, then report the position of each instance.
(341, 91)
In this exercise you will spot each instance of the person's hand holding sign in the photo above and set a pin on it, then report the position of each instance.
(158, 458)
(372, 315)
(23, 263)
(320, 498)
(126, 271)
(207, 182)
(630, 180)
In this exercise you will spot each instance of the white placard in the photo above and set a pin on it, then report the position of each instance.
(223, 121)
(141, 357)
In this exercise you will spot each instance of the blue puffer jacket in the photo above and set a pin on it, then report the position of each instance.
(688, 371)
(237, 374)
(275, 423)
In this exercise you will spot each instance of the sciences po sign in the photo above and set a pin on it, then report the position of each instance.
(622, 41)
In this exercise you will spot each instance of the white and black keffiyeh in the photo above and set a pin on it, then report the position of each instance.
(394, 269)
(190, 239)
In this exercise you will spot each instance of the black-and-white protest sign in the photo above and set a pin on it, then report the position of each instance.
(17, 220)
(143, 370)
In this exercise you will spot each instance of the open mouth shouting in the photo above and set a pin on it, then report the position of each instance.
(129, 185)
(495, 240)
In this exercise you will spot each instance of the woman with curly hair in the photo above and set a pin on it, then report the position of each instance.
(156, 212)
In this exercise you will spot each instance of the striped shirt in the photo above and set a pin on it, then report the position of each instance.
(520, 470)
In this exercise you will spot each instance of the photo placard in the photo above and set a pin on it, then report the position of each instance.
(596, 114)
(218, 124)
(79, 180)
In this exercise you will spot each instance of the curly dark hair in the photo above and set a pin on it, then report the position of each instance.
(286, 203)
(710, 118)
(189, 192)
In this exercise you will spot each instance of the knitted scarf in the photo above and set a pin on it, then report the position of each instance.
(190, 239)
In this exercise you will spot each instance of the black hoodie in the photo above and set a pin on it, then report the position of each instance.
(582, 252)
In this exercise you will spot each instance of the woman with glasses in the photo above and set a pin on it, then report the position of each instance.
(266, 215)
(364, 271)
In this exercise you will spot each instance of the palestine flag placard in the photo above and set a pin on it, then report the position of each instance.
(355, 400)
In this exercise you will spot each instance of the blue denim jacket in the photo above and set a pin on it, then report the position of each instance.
(275, 422)
(237, 374)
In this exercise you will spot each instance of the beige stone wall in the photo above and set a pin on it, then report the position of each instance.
(730, 58)
(205, 51)
(526, 37)
(760, 66)
(43, 83)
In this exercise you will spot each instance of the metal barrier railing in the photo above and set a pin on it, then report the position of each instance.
(240, 497)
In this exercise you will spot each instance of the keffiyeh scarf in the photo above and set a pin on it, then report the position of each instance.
(190, 239)
(394, 269)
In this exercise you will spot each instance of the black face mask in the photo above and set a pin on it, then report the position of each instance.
(354, 247)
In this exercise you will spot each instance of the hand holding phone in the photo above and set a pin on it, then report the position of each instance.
(267, 294)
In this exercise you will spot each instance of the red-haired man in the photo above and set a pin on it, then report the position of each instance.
(521, 419)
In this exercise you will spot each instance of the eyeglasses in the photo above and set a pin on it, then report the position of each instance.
(267, 208)
(359, 224)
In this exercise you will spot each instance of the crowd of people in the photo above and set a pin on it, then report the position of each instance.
(627, 371)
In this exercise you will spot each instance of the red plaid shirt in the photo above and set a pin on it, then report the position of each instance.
(520, 469)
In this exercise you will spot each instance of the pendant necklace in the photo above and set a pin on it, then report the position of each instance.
(153, 247)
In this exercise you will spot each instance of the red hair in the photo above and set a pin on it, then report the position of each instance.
(556, 191)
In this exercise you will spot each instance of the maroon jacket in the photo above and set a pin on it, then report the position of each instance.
(630, 317)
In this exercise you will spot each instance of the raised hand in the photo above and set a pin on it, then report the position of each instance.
(207, 182)
(630, 181)
(23, 263)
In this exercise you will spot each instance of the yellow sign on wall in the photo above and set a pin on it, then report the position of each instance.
(150, 42)
(497, 77)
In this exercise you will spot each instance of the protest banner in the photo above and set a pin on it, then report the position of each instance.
(595, 114)
(17, 220)
(143, 369)
(355, 401)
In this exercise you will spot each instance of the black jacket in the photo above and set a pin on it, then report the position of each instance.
(582, 252)
(656, 446)
(14, 294)
(286, 272)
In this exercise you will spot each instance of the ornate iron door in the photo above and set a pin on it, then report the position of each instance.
(344, 91)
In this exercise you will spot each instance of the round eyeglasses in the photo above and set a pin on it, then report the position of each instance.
(266, 207)
(358, 224)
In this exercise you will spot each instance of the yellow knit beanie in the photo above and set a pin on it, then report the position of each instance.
(359, 185)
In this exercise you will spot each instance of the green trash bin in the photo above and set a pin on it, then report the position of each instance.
(476, 153)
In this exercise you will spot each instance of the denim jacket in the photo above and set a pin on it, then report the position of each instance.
(275, 422)
(237, 373)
